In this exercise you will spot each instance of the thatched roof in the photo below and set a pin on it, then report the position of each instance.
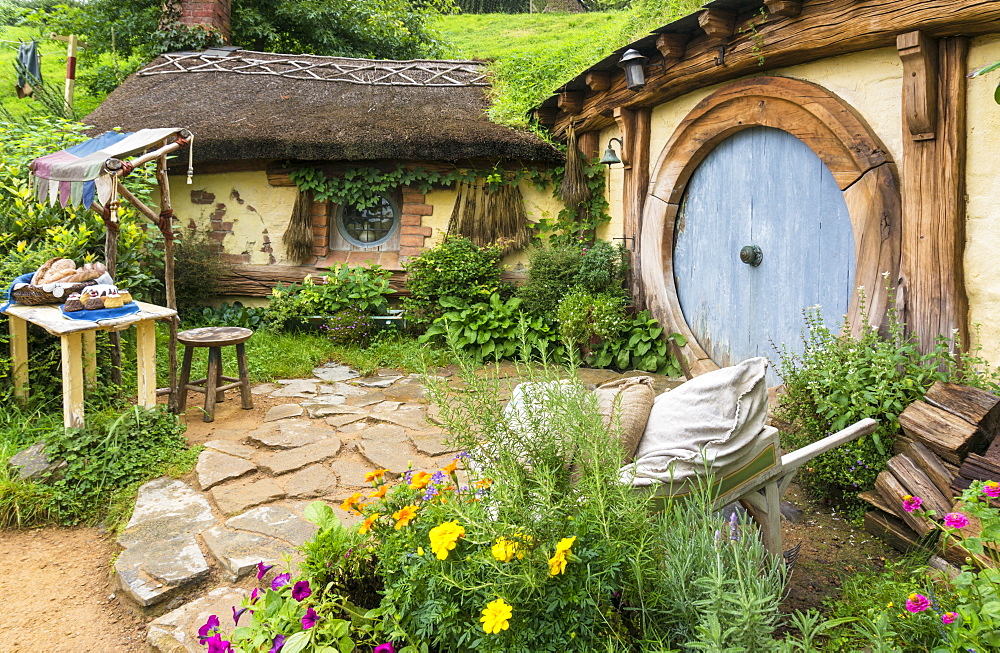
(253, 105)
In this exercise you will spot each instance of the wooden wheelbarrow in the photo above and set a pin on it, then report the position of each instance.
(760, 483)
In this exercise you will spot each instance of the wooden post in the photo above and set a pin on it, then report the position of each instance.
(932, 292)
(19, 356)
(145, 358)
(90, 359)
(635, 127)
(72, 379)
(168, 278)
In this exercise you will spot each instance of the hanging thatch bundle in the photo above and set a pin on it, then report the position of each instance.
(574, 191)
(487, 216)
(298, 238)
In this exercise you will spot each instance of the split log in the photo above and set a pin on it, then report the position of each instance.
(918, 484)
(944, 433)
(892, 531)
(979, 468)
(892, 491)
(928, 462)
(876, 500)
(975, 406)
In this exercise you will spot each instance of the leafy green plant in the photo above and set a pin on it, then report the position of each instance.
(226, 314)
(198, 266)
(639, 347)
(349, 326)
(454, 268)
(839, 379)
(362, 288)
(584, 317)
(554, 269)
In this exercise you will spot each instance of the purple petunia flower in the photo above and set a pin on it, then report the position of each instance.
(218, 645)
(279, 641)
(263, 569)
(237, 614)
(301, 590)
(280, 581)
(384, 648)
(254, 595)
(309, 619)
(210, 627)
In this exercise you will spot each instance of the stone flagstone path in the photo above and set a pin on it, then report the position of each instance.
(251, 488)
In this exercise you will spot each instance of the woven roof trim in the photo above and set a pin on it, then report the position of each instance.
(367, 72)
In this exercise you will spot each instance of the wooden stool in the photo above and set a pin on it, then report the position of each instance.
(214, 338)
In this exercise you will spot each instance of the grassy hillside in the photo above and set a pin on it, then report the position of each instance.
(532, 54)
(53, 71)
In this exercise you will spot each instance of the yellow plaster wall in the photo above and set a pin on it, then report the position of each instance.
(248, 202)
(982, 227)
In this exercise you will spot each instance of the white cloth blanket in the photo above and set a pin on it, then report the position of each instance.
(710, 423)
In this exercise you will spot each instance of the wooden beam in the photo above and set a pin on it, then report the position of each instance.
(571, 102)
(635, 127)
(598, 80)
(589, 144)
(825, 28)
(919, 54)
(717, 23)
(671, 47)
(546, 115)
(789, 8)
(932, 289)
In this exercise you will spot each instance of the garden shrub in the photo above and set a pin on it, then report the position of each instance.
(457, 268)
(603, 267)
(584, 317)
(349, 326)
(198, 266)
(639, 347)
(840, 379)
(364, 288)
(554, 269)
(226, 314)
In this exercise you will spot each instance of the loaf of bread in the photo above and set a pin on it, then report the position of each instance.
(36, 279)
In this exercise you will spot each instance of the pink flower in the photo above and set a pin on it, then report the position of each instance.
(911, 503)
(917, 603)
(301, 591)
(263, 569)
(948, 618)
(991, 489)
(384, 648)
(280, 581)
(309, 619)
(956, 520)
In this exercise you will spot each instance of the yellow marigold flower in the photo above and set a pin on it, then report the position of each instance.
(504, 549)
(376, 475)
(444, 538)
(367, 524)
(420, 480)
(565, 543)
(379, 493)
(557, 563)
(404, 515)
(450, 467)
(496, 616)
(485, 482)
(350, 501)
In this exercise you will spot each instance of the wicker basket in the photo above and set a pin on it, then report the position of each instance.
(34, 295)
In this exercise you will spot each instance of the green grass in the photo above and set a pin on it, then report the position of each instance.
(533, 54)
(53, 72)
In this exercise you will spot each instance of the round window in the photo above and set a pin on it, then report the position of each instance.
(368, 227)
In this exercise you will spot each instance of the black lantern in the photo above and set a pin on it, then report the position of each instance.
(632, 62)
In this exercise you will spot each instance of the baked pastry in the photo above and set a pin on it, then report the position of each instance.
(112, 299)
(73, 303)
(126, 296)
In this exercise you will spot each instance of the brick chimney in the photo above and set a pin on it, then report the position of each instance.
(213, 13)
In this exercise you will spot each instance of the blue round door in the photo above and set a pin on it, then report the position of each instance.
(763, 193)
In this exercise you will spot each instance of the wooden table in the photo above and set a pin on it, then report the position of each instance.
(79, 351)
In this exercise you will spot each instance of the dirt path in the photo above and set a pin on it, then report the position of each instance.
(57, 591)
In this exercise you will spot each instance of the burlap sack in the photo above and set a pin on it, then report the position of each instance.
(627, 402)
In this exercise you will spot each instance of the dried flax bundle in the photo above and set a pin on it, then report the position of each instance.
(487, 216)
(574, 191)
(298, 237)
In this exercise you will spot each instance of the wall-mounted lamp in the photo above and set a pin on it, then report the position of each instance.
(610, 157)
(632, 62)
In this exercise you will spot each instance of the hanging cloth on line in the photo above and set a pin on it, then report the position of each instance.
(29, 68)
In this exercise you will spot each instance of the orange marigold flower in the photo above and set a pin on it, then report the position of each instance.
(420, 480)
(367, 524)
(379, 493)
(350, 501)
(404, 515)
(376, 475)
(485, 482)
(450, 467)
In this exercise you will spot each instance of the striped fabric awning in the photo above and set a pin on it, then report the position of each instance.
(74, 175)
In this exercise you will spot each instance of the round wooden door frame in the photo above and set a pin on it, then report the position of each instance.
(860, 164)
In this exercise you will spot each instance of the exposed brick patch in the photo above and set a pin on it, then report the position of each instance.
(266, 248)
(413, 197)
(411, 220)
(417, 209)
(411, 241)
(219, 228)
(202, 197)
(416, 231)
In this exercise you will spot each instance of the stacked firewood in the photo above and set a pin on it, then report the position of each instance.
(948, 441)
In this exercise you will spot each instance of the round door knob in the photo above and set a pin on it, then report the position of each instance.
(751, 255)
